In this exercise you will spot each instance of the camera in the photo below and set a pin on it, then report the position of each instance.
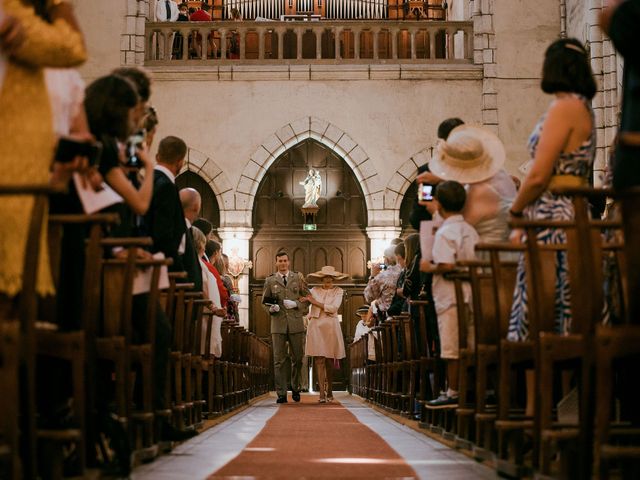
(133, 143)
(425, 192)
(382, 266)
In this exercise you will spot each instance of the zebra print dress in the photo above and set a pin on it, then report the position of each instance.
(551, 207)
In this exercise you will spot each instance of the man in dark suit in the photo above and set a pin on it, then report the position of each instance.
(165, 224)
(165, 221)
(191, 203)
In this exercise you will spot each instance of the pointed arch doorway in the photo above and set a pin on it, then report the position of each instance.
(340, 239)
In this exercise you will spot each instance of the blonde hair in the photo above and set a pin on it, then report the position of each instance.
(198, 238)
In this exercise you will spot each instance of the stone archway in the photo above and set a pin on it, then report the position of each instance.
(204, 166)
(402, 179)
(294, 133)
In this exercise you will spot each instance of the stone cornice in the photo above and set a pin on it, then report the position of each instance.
(317, 72)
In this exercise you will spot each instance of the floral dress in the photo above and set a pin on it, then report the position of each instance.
(551, 207)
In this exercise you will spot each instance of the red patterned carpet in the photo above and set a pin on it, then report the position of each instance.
(311, 440)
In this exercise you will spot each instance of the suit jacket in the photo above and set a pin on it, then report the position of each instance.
(164, 222)
(286, 320)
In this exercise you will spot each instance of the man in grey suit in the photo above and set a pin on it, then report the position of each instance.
(281, 299)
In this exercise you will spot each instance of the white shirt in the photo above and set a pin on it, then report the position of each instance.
(167, 172)
(183, 241)
(455, 240)
(161, 11)
(361, 330)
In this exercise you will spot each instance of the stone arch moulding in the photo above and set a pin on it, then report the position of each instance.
(206, 168)
(402, 179)
(330, 136)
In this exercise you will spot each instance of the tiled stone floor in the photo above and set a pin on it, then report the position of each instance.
(204, 454)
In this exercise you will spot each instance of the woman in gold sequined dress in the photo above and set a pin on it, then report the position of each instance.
(27, 140)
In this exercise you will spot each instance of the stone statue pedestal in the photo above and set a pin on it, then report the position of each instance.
(310, 213)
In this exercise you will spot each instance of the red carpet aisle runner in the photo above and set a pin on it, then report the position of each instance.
(311, 440)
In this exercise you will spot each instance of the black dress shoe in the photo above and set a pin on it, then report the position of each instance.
(281, 399)
(295, 396)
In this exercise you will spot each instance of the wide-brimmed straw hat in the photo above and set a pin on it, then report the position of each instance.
(328, 271)
(471, 154)
(363, 310)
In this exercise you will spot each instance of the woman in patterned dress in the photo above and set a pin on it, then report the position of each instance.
(562, 148)
(324, 335)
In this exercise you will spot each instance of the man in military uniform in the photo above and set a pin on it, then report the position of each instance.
(281, 299)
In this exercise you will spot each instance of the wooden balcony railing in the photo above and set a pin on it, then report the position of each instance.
(323, 41)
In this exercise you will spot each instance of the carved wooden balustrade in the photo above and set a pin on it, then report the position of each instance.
(333, 42)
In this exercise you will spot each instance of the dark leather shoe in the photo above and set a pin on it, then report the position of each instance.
(281, 399)
(295, 396)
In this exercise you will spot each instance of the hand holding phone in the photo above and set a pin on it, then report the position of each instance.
(425, 192)
(69, 148)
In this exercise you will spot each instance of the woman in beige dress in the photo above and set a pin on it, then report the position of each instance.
(324, 335)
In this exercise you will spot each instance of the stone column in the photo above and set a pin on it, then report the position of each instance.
(338, 32)
(281, 32)
(412, 35)
(223, 43)
(318, 34)
(356, 42)
(299, 33)
(376, 37)
(394, 43)
(261, 34)
(380, 238)
(242, 32)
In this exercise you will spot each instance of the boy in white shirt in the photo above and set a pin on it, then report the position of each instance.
(455, 240)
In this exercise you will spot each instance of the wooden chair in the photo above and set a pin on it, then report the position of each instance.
(410, 364)
(430, 364)
(75, 347)
(451, 420)
(176, 356)
(572, 352)
(26, 319)
(194, 388)
(142, 355)
(491, 325)
(517, 357)
(617, 349)
(482, 312)
(9, 400)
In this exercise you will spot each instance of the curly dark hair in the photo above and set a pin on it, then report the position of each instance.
(107, 103)
(567, 68)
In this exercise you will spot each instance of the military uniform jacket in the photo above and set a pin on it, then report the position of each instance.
(286, 320)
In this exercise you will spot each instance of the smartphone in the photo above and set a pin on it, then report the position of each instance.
(133, 143)
(69, 148)
(425, 192)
